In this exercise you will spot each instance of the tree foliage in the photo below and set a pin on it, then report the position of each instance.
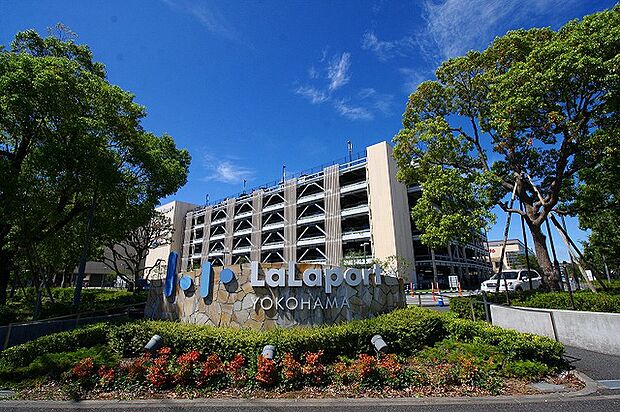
(598, 205)
(128, 258)
(536, 103)
(67, 133)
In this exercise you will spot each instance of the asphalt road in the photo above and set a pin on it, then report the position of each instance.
(598, 366)
(537, 404)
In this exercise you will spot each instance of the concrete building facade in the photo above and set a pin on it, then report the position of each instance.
(514, 249)
(353, 211)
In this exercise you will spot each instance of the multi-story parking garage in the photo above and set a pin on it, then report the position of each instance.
(326, 215)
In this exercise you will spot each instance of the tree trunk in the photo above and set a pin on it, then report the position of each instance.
(549, 276)
(5, 274)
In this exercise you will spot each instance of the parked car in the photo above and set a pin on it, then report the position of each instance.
(517, 281)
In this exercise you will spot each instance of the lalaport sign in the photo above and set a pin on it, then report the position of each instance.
(319, 282)
(326, 279)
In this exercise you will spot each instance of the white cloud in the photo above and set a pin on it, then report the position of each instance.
(313, 94)
(225, 170)
(207, 15)
(385, 50)
(313, 73)
(377, 101)
(454, 27)
(353, 112)
(337, 71)
(412, 77)
(366, 92)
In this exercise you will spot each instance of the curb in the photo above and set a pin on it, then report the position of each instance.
(591, 385)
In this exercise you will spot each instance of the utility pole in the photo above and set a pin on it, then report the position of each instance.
(350, 149)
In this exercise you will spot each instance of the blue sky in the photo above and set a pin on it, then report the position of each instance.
(249, 86)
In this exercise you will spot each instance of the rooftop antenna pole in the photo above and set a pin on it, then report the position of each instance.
(283, 173)
(206, 199)
(350, 149)
(244, 182)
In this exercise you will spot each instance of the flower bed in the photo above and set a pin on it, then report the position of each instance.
(429, 353)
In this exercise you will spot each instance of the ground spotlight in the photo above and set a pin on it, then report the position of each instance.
(268, 352)
(154, 344)
(379, 344)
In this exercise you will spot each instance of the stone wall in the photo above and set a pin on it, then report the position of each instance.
(238, 304)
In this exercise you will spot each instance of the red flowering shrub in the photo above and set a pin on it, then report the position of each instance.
(184, 369)
(164, 352)
(136, 370)
(213, 373)
(364, 366)
(341, 373)
(390, 366)
(157, 376)
(266, 371)
(235, 368)
(188, 358)
(157, 373)
(313, 369)
(291, 369)
(106, 375)
(84, 369)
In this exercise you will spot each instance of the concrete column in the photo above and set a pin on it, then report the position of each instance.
(187, 238)
(206, 235)
(333, 220)
(230, 228)
(390, 218)
(290, 220)
(257, 226)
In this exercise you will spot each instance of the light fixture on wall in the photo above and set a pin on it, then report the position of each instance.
(379, 344)
(268, 352)
(153, 344)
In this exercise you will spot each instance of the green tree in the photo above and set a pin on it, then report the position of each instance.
(68, 135)
(535, 103)
(128, 258)
(597, 203)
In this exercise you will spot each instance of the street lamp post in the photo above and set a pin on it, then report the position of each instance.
(364, 246)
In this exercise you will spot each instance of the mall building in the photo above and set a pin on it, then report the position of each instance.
(514, 254)
(344, 213)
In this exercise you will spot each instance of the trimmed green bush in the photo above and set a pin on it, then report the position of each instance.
(525, 369)
(85, 337)
(584, 301)
(514, 345)
(55, 364)
(462, 307)
(406, 330)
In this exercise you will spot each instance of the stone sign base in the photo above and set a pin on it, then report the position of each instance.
(239, 304)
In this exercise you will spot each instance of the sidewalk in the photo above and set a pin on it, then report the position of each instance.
(605, 369)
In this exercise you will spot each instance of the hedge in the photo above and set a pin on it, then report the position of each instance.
(584, 301)
(514, 345)
(406, 331)
(85, 337)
